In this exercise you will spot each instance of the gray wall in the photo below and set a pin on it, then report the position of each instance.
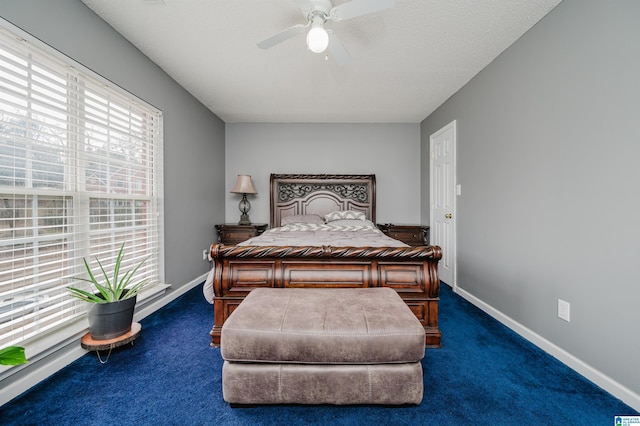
(548, 149)
(390, 151)
(193, 136)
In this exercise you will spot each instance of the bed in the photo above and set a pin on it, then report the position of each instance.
(269, 261)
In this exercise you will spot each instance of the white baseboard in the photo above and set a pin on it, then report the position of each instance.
(596, 376)
(24, 377)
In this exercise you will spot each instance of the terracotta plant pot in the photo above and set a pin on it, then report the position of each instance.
(110, 320)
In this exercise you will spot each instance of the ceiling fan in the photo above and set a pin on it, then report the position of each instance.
(318, 12)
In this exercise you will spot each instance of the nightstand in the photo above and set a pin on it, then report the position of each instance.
(414, 235)
(230, 233)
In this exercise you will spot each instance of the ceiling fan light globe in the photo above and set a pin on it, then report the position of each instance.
(317, 39)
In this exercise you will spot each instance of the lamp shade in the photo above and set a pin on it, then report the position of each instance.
(243, 185)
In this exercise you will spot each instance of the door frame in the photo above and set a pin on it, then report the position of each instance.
(454, 192)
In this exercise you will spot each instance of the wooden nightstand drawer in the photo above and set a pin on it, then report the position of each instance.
(414, 235)
(233, 234)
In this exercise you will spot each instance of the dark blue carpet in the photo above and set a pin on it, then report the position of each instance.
(484, 375)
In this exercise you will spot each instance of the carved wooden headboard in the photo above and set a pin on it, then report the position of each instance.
(296, 194)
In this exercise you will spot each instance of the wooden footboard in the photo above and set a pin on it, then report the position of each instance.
(411, 271)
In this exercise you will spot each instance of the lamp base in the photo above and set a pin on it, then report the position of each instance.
(244, 207)
(244, 219)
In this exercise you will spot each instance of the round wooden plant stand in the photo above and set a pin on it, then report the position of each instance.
(91, 344)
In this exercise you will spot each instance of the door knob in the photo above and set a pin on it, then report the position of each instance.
(448, 216)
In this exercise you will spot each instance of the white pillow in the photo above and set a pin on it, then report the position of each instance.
(345, 214)
(302, 218)
(353, 222)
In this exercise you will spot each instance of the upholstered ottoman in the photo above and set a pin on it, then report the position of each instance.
(322, 346)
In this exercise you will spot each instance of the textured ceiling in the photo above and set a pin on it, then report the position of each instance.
(405, 61)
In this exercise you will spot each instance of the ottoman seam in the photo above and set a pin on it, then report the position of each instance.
(284, 315)
(366, 320)
(312, 333)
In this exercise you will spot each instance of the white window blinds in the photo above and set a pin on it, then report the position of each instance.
(80, 173)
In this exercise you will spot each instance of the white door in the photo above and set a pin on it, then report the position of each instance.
(442, 146)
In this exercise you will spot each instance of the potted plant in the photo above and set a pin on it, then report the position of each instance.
(113, 300)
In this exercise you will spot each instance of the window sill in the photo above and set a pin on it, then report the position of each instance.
(51, 342)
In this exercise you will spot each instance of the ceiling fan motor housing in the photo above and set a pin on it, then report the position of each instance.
(320, 7)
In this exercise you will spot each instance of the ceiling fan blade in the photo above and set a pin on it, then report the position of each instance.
(282, 36)
(356, 8)
(337, 50)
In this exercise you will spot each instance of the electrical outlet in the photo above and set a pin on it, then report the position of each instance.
(564, 310)
(205, 254)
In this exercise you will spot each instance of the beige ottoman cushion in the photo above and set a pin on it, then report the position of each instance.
(266, 383)
(323, 326)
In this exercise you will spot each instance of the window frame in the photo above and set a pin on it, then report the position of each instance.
(82, 199)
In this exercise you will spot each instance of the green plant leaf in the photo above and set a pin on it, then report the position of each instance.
(12, 355)
(116, 269)
(108, 289)
(101, 289)
(85, 295)
(115, 287)
(130, 274)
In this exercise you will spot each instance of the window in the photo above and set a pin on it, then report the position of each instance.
(80, 173)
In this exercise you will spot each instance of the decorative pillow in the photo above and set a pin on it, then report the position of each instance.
(302, 218)
(345, 214)
(353, 223)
